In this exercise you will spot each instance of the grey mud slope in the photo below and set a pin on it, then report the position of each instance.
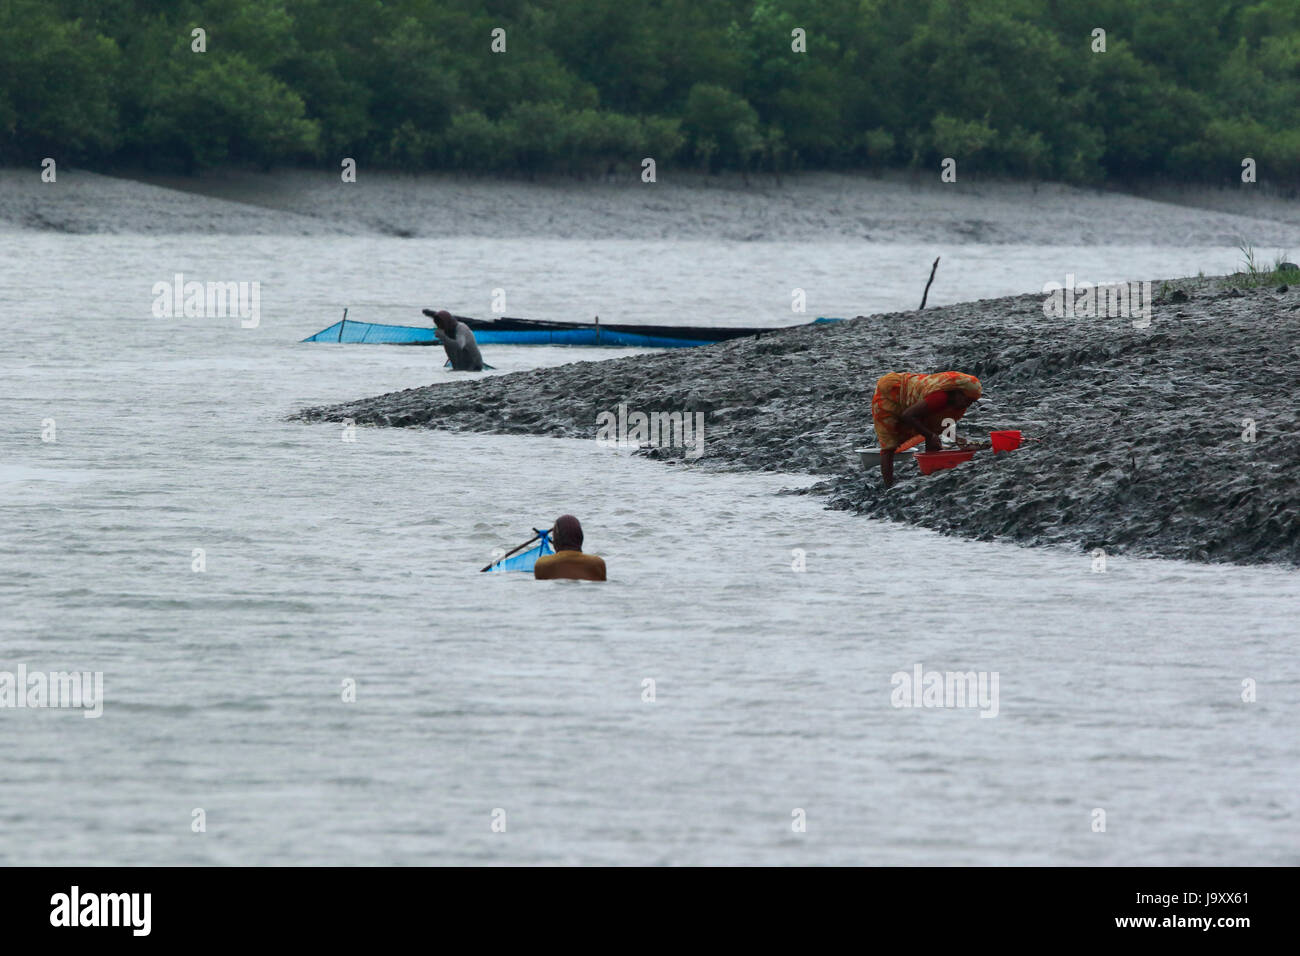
(1141, 446)
(807, 207)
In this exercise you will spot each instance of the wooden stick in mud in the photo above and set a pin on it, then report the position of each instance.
(926, 294)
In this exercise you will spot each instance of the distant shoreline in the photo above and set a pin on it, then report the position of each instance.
(690, 176)
(1140, 452)
(804, 207)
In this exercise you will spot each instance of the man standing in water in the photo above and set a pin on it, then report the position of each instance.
(568, 561)
(457, 338)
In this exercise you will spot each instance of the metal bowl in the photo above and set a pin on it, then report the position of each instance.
(870, 457)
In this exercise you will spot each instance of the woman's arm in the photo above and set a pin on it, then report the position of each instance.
(448, 346)
(912, 418)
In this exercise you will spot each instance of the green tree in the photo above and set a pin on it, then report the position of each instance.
(57, 85)
(721, 127)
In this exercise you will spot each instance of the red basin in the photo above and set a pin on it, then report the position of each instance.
(939, 460)
(1005, 441)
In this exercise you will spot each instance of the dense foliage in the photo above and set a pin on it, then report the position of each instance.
(1185, 88)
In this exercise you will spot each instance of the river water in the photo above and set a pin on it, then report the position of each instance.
(482, 698)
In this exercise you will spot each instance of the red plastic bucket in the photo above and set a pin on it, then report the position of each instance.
(1005, 441)
(939, 460)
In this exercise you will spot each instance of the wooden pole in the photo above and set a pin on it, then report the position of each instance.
(343, 323)
(926, 294)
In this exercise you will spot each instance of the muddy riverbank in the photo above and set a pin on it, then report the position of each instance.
(1141, 429)
(820, 207)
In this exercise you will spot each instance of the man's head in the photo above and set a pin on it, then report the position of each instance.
(443, 320)
(568, 533)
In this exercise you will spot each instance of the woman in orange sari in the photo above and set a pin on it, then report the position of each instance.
(909, 407)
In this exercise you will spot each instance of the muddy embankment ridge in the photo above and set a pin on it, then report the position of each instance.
(1140, 449)
(817, 207)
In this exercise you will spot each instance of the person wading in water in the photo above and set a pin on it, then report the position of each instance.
(458, 339)
(568, 561)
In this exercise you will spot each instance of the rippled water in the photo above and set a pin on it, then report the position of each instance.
(329, 561)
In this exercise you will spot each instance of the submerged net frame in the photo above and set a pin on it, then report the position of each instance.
(524, 560)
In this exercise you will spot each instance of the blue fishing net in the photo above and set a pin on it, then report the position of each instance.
(524, 560)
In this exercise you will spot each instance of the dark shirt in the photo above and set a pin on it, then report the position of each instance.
(570, 564)
(462, 349)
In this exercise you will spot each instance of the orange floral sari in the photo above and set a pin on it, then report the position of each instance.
(899, 391)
